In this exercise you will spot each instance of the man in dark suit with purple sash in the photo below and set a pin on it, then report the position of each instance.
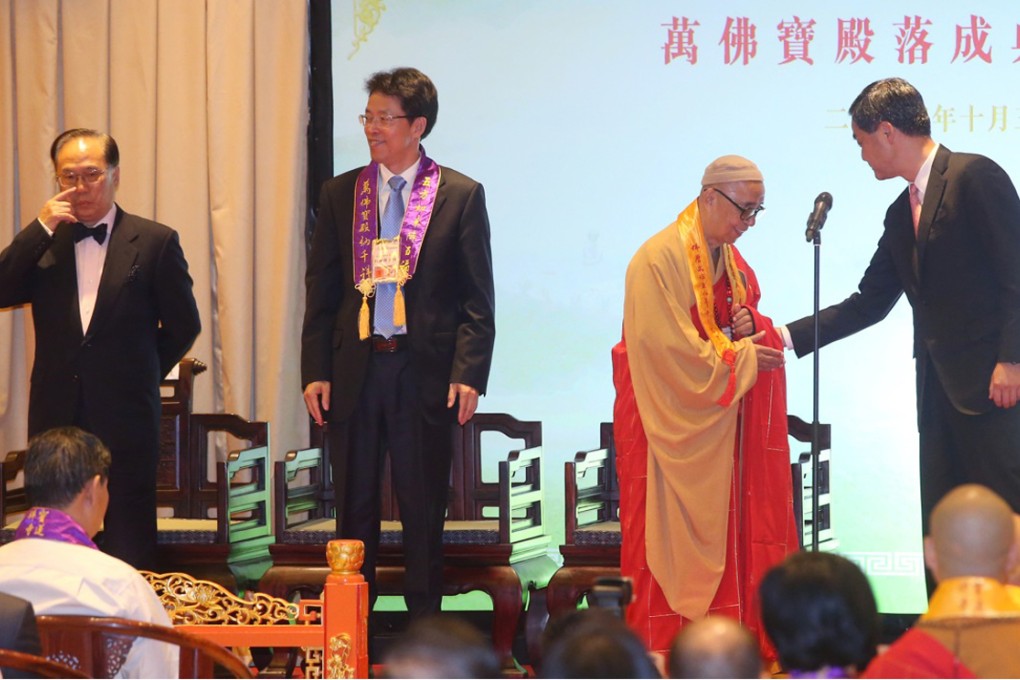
(399, 327)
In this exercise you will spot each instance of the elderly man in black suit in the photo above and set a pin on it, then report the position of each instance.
(399, 326)
(952, 244)
(113, 312)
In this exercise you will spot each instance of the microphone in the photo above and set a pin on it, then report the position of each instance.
(816, 220)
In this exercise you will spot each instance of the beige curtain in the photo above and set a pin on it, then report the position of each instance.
(207, 100)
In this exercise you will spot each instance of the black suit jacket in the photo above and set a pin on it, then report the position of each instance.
(449, 301)
(145, 319)
(962, 279)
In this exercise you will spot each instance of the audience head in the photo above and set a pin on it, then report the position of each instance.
(971, 533)
(593, 643)
(441, 646)
(68, 469)
(819, 611)
(715, 647)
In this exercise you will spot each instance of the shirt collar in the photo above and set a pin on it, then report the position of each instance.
(108, 219)
(409, 174)
(921, 181)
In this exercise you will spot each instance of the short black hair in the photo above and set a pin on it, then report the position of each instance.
(414, 89)
(593, 643)
(111, 154)
(893, 100)
(60, 462)
(819, 610)
(442, 646)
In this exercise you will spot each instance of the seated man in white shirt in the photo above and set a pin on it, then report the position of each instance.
(53, 563)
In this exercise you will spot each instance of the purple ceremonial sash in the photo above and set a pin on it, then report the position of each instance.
(52, 525)
(412, 230)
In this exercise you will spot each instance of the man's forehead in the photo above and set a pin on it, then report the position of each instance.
(79, 148)
(383, 103)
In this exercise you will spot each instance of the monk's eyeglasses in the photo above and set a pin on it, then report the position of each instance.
(746, 214)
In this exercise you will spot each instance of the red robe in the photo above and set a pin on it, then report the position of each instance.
(765, 530)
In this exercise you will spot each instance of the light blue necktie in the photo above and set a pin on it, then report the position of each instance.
(392, 218)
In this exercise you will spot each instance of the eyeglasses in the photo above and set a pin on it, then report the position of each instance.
(70, 179)
(746, 214)
(384, 121)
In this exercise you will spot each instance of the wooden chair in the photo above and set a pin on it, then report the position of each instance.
(99, 646)
(332, 630)
(173, 476)
(591, 544)
(494, 540)
(38, 666)
(241, 532)
(13, 500)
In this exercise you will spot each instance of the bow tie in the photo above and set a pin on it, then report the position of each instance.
(82, 232)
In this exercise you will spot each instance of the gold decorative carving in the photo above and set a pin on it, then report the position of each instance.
(338, 665)
(345, 556)
(366, 16)
(190, 601)
(313, 662)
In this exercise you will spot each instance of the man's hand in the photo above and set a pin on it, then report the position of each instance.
(468, 397)
(317, 399)
(768, 358)
(743, 322)
(58, 209)
(1004, 388)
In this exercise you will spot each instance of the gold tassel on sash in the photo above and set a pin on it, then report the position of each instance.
(399, 315)
(363, 332)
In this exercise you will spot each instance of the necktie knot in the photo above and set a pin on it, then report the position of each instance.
(82, 232)
(397, 183)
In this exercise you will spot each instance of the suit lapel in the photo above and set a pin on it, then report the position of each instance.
(933, 195)
(120, 258)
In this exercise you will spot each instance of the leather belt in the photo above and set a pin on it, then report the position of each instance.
(391, 344)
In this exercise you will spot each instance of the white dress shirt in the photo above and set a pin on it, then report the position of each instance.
(63, 578)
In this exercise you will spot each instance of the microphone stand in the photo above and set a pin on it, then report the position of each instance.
(815, 426)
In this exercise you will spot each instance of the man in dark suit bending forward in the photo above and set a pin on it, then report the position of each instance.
(952, 244)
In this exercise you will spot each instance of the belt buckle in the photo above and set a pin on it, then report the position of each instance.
(388, 345)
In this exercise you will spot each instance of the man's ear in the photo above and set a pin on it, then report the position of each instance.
(930, 557)
(418, 126)
(92, 488)
(1012, 564)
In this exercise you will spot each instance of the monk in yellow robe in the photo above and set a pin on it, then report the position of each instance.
(706, 501)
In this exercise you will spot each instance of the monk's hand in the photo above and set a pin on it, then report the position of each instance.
(1004, 388)
(743, 322)
(467, 399)
(317, 399)
(58, 209)
(768, 357)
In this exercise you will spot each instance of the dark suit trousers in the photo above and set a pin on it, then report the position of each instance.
(129, 527)
(388, 418)
(966, 449)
